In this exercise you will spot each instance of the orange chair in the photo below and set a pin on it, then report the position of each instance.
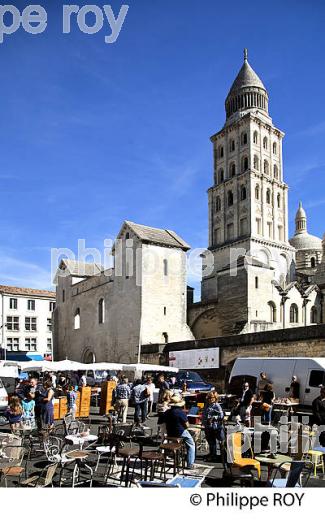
(236, 454)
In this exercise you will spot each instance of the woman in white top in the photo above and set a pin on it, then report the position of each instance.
(150, 389)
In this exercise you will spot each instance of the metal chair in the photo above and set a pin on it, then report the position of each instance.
(16, 455)
(43, 478)
(294, 478)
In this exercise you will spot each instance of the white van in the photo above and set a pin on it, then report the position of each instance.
(3, 397)
(309, 371)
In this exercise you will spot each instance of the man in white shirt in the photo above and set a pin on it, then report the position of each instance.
(150, 388)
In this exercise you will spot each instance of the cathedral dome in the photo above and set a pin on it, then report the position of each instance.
(302, 239)
(247, 91)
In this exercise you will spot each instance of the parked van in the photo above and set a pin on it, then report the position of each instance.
(3, 397)
(309, 371)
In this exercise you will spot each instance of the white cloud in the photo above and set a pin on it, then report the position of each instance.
(23, 274)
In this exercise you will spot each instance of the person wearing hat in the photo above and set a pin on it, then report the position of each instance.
(177, 424)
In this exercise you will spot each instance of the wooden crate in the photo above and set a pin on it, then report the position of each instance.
(78, 405)
(85, 397)
(106, 397)
(56, 409)
(63, 407)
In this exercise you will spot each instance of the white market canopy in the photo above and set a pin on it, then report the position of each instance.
(8, 371)
(146, 367)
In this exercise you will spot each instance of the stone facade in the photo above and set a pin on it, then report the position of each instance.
(105, 315)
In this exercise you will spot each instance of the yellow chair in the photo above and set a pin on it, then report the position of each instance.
(237, 456)
(317, 460)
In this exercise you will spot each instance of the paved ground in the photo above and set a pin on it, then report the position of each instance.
(213, 472)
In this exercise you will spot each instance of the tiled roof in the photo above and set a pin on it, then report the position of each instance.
(164, 237)
(24, 291)
(76, 268)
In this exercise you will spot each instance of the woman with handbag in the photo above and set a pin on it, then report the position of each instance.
(212, 420)
(267, 402)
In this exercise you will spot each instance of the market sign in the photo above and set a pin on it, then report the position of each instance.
(195, 359)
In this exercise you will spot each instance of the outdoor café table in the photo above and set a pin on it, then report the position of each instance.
(79, 457)
(81, 440)
(286, 408)
(272, 462)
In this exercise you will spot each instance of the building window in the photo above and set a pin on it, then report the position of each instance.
(244, 164)
(294, 313)
(266, 167)
(218, 204)
(13, 303)
(63, 295)
(275, 172)
(230, 231)
(243, 193)
(165, 336)
(230, 198)
(220, 152)
(77, 319)
(13, 344)
(13, 322)
(31, 344)
(268, 196)
(165, 311)
(265, 143)
(257, 192)
(232, 170)
(49, 324)
(52, 306)
(256, 282)
(101, 311)
(255, 137)
(31, 305)
(31, 323)
(220, 175)
(243, 226)
(217, 236)
(313, 262)
(270, 229)
(232, 145)
(313, 315)
(244, 138)
(273, 317)
(165, 267)
(258, 226)
(49, 344)
(279, 200)
(256, 163)
(127, 236)
(274, 148)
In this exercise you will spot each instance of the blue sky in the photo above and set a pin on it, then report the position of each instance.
(92, 134)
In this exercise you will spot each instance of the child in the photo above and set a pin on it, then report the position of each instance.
(28, 406)
(14, 413)
(72, 401)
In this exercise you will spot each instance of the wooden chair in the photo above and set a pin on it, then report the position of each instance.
(43, 478)
(17, 469)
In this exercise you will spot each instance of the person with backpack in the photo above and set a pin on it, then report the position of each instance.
(140, 396)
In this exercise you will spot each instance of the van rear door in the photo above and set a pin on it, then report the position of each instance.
(315, 378)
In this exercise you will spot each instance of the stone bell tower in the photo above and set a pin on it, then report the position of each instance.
(248, 202)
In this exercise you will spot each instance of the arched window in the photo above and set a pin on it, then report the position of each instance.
(243, 193)
(268, 196)
(294, 313)
(244, 164)
(273, 316)
(218, 204)
(313, 262)
(256, 163)
(265, 143)
(275, 172)
(255, 137)
(313, 315)
(165, 267)
(257, 192)
(220, 175)
(279, 200)
(220, 152)
(232, 170)
(274, 148)
(244, 138)
(232, 145)
(230, 198)
(101, 311)
(266, 167)
(77, 319)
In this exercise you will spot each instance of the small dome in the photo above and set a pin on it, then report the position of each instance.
(306, 241)
(246, 77)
